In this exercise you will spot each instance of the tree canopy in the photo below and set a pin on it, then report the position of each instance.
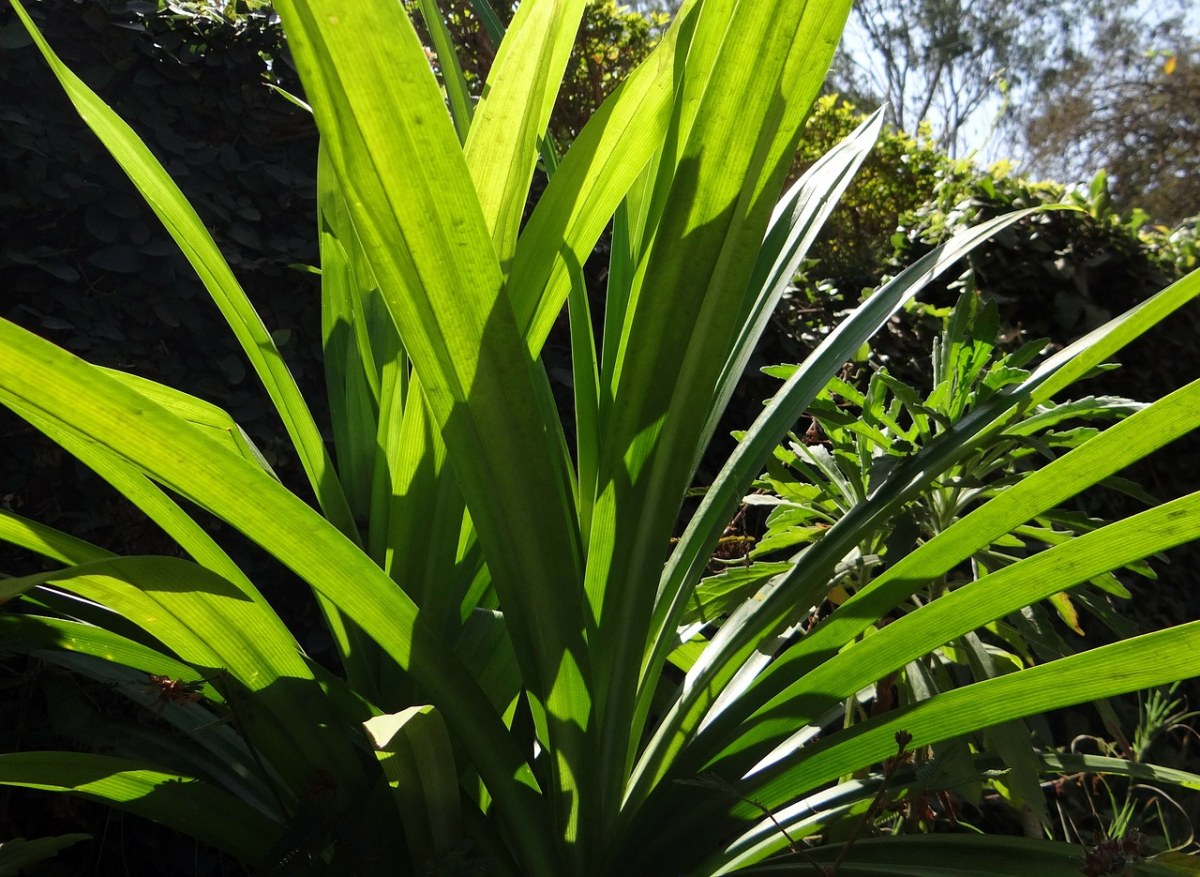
(1131, 105)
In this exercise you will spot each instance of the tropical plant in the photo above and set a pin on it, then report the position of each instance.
(507, 628)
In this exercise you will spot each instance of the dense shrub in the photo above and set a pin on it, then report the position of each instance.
(909, 196)
(1064, 272)
(1057, 275)
(896, 179)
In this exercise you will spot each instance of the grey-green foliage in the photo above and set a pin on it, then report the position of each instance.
(856, 437)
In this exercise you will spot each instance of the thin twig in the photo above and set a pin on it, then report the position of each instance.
(903, 738)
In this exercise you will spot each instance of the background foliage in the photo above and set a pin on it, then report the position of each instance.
(1069, 86)
(111, 285)
(1129, 106)
(1057, 275)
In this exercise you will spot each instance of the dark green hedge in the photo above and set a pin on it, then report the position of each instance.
(86, 262)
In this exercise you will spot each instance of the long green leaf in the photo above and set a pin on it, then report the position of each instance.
(212, 418)
(1079, 358)
(813, 813)
(1112, 450)
(938, 856)
(357, 407)
(501, 148)
(758, 620)
(426, 518)
(415, 210)
(146, 495)
(130, 668)
(767, 65)
(192, 237)
(457, 93)
(211, 624)
(966, 609)
(690, 557)
(39, 376)
(414, 750)
(31, 632)
(214, 750)
(795, 223)
(47, 541)
(180, 802)
(603, 162)
(1140, 662)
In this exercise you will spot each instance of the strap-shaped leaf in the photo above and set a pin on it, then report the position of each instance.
(47, 541)
(415, 210)
(216, 752)
(1079, 358)
(1141, 662)
(1145, 661)
(32, 632)
(144, 493)
(812, 813)
(210, 623)
(353, 386)
(1114, 449)
(795, 223)
(592, 179)
(752, 73)
(215, 420)
(964, 610)
(807, 582)
(514, 110)
(192, 237)
(78, 397)
(426, 517)
(413, 747)
(180, 802)
(690, 556)
(457, 93)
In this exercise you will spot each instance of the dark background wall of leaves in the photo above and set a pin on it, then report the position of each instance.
(84, 262)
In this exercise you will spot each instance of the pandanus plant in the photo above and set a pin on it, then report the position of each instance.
(514, 693)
